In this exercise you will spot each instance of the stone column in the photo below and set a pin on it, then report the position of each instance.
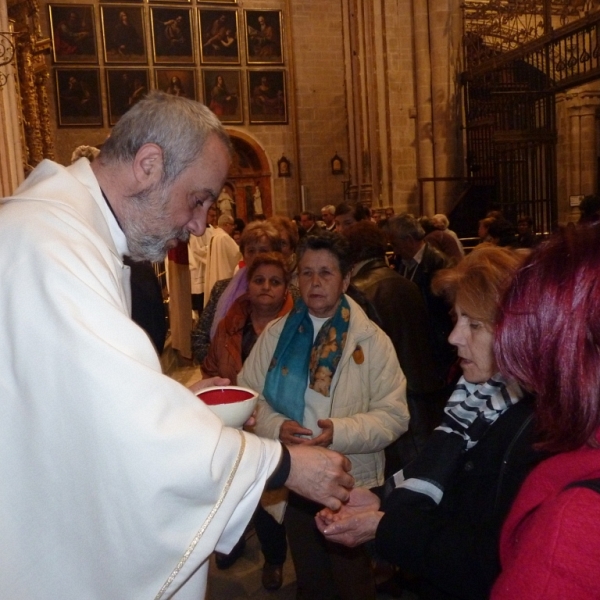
(424, 121)
(582, 110)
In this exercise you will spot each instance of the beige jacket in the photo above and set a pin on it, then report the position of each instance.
(369, 394)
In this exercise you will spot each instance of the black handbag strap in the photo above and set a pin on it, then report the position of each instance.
(592, 484)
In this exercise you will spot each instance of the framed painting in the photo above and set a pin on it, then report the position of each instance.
(266, 91)
(123, 31)
(219, 36)
(78, 97)
(73, 33)
(124, 88)
(172, 35)
(222, 94)
(264, 42)
(177, 82)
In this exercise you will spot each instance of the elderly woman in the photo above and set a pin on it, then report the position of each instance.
(266, 299)
(328, 376)
(439, 518)
(548, 338)
(257, 238)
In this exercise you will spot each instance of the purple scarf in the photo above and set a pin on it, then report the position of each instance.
(236, 287)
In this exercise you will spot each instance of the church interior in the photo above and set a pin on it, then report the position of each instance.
(425, 107)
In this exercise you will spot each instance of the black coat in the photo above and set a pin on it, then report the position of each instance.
(438, 310)
(453, 548)
(403, 316)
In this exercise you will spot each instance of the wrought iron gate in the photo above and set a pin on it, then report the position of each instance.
(518, 55)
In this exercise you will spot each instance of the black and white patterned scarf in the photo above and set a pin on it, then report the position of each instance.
(469, 413)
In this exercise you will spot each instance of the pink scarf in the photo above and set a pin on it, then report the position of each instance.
(236, 287)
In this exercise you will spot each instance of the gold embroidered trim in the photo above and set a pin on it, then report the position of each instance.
(206, 523)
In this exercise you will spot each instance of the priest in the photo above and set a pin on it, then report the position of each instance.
(116, 481)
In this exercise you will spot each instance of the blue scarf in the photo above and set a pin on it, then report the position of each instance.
(296, 356)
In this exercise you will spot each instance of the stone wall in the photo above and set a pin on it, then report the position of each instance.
(317, 121)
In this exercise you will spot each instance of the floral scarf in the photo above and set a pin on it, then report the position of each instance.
(296, 356)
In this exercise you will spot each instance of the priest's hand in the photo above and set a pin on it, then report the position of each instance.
(320, 475)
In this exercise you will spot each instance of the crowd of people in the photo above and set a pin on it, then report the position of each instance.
(472, 439)
(422, 406)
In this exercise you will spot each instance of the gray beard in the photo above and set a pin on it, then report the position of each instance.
(144, 226)
(152, 247)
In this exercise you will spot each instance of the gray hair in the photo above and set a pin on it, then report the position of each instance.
(330, 208)
(225, 220)
(405, 226)
(180, 127)
(440, 220)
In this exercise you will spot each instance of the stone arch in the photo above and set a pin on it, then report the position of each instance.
(250, 169)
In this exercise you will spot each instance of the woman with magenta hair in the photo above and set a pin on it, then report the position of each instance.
(548, 338)
(439, 518)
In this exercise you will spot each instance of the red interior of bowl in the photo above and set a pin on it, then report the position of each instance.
(224, 396)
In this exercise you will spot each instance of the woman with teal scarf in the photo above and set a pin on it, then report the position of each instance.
(328, 376)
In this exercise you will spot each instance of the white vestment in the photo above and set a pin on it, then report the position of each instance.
(221, 261)
(108, 468)
(197, 252)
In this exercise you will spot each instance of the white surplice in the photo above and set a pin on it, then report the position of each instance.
(108, 468)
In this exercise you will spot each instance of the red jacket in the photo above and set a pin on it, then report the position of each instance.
(224, 358)
(550, 544)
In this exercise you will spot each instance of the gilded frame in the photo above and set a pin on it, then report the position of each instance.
(123, 42)
(264, 37)
(172, 35)
(185, 86)
(73, 31)
(125, 87)
(226, 104)
(219, 36)
(78, 97)
(267, 97)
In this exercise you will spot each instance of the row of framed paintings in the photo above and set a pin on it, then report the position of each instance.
(80, 100)
(180, 1)
(73, 32)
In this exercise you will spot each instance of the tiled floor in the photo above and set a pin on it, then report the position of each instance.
(243, 579)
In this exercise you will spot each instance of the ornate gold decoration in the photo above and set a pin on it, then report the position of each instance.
(30, 47)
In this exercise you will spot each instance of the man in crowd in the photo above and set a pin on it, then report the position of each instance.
(418, 262)
(402, 314)
(308, 221)
(222, 257)
(328, 217)
(197, 254)
(117, 482)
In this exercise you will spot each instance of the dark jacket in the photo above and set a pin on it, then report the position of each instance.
(440, 323)
(453, 548)
(403, 316)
